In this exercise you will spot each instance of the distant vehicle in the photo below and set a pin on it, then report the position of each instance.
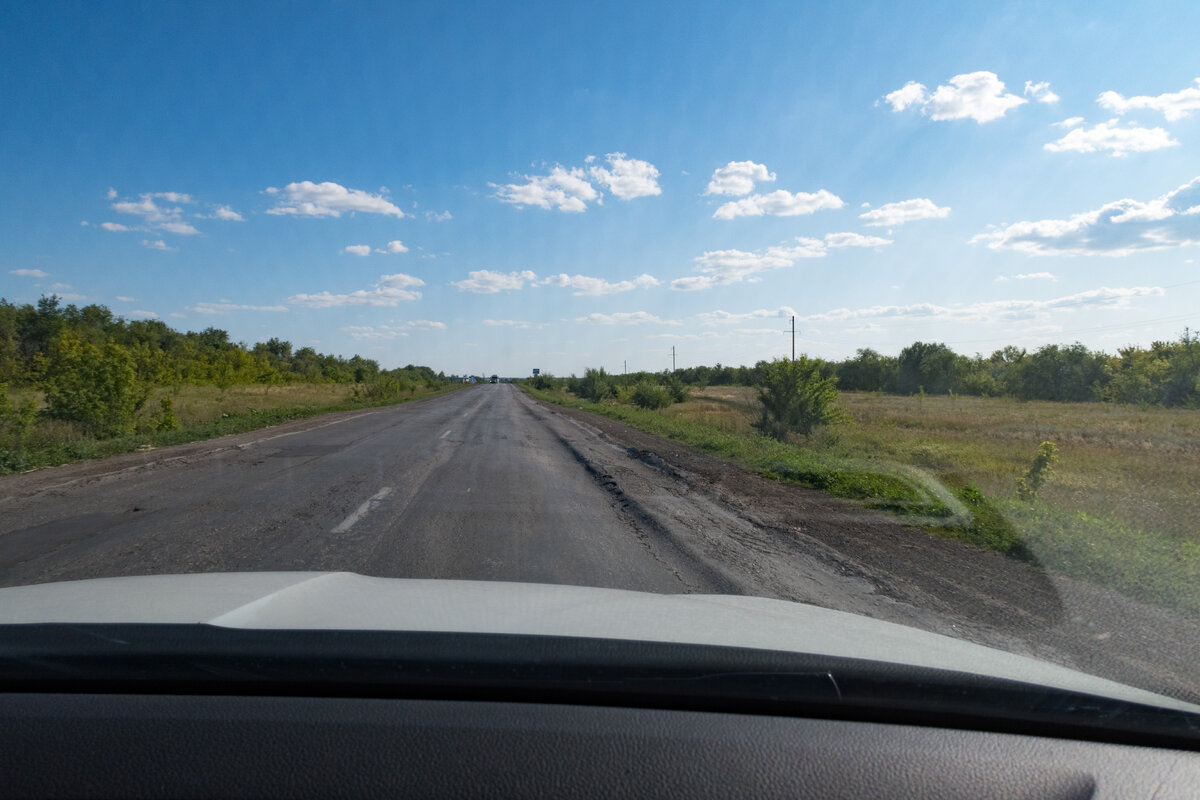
(495, 379)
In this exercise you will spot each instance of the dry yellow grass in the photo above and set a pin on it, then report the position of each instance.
(195, 404)
(1140, 466)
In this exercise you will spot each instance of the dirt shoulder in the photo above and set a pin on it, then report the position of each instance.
(957, 589)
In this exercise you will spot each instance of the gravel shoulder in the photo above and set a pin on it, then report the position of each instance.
(787, 541)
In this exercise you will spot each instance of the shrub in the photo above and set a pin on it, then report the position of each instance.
(95, 385)
(595, 386)
(678, 389)
(1039, 472)
(166, 420)
(15, 425)
(795, 398)
(652, 396)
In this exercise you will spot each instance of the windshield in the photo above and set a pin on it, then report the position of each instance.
(886, 308)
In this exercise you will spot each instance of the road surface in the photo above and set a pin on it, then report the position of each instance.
(487, 484)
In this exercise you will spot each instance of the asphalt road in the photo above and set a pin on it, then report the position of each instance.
(479, 484)
(487, 484)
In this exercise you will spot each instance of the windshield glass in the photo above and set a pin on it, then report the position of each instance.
(887, 308)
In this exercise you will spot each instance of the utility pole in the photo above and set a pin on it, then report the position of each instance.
(793, 337)
(672, 358)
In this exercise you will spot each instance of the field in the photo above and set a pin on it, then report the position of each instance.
(1122, 508)
(202, 412)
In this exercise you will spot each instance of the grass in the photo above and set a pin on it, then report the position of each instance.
(204, 412)
(1121, 509)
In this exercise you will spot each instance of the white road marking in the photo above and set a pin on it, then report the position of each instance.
(306, 430)
(444, 435)
(360, 512)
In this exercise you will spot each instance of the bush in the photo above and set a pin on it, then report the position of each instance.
(678, 389)
(651, 396)
(166, 420)
(94, 385)
(1039, 472)
(795, 398)
(595, 386)
(15, 425)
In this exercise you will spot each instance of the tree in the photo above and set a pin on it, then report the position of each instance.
(95, 385)
(795, 397)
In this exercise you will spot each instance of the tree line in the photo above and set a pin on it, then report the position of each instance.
(1166, 373)
(99, 369)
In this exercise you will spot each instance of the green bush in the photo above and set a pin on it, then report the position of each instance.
(166, 420)
(1039, 472)
(95, 385)
(651, 396)
(15, 425)
(595, 386)
(679, 390)
(796, 398)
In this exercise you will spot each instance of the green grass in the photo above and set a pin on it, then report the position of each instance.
(1121, 511)
(204, 412)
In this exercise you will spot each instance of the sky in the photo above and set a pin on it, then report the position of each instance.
(492, 188)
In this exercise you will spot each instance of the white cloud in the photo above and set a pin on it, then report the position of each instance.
(995, 310)
(1029, 276)
(181, 228)
(228, 214)
(570, 189)
(626, 318)
(157, 244)
(723, 267)
(854, 240)
(910, 94)
(442, 217)
(719, 317)
(563, 189)
(425, 325)
(396, 246)
(29, 273)
(111, 194)
(1118, 141)
(1172, 105)
(361, 332)
(357, 249)
(125, 299)
(592, 287)
(226, 308)
(70, 297)
(781, 203)
(738, 178)
(627, 178)
(1115, 229)
(154, 216)
(904, 211)
(1040, 92)
(511, 323)
(975, 95)
(142, 315)
(393, 331)
(389, 290)
(327, 199)
(486, 281)
(1069, 122)
(59, 286)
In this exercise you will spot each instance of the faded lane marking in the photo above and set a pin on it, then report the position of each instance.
(444, 435)
(305, 430)
(367, 507)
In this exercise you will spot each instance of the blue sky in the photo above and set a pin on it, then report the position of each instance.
(491, 187)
